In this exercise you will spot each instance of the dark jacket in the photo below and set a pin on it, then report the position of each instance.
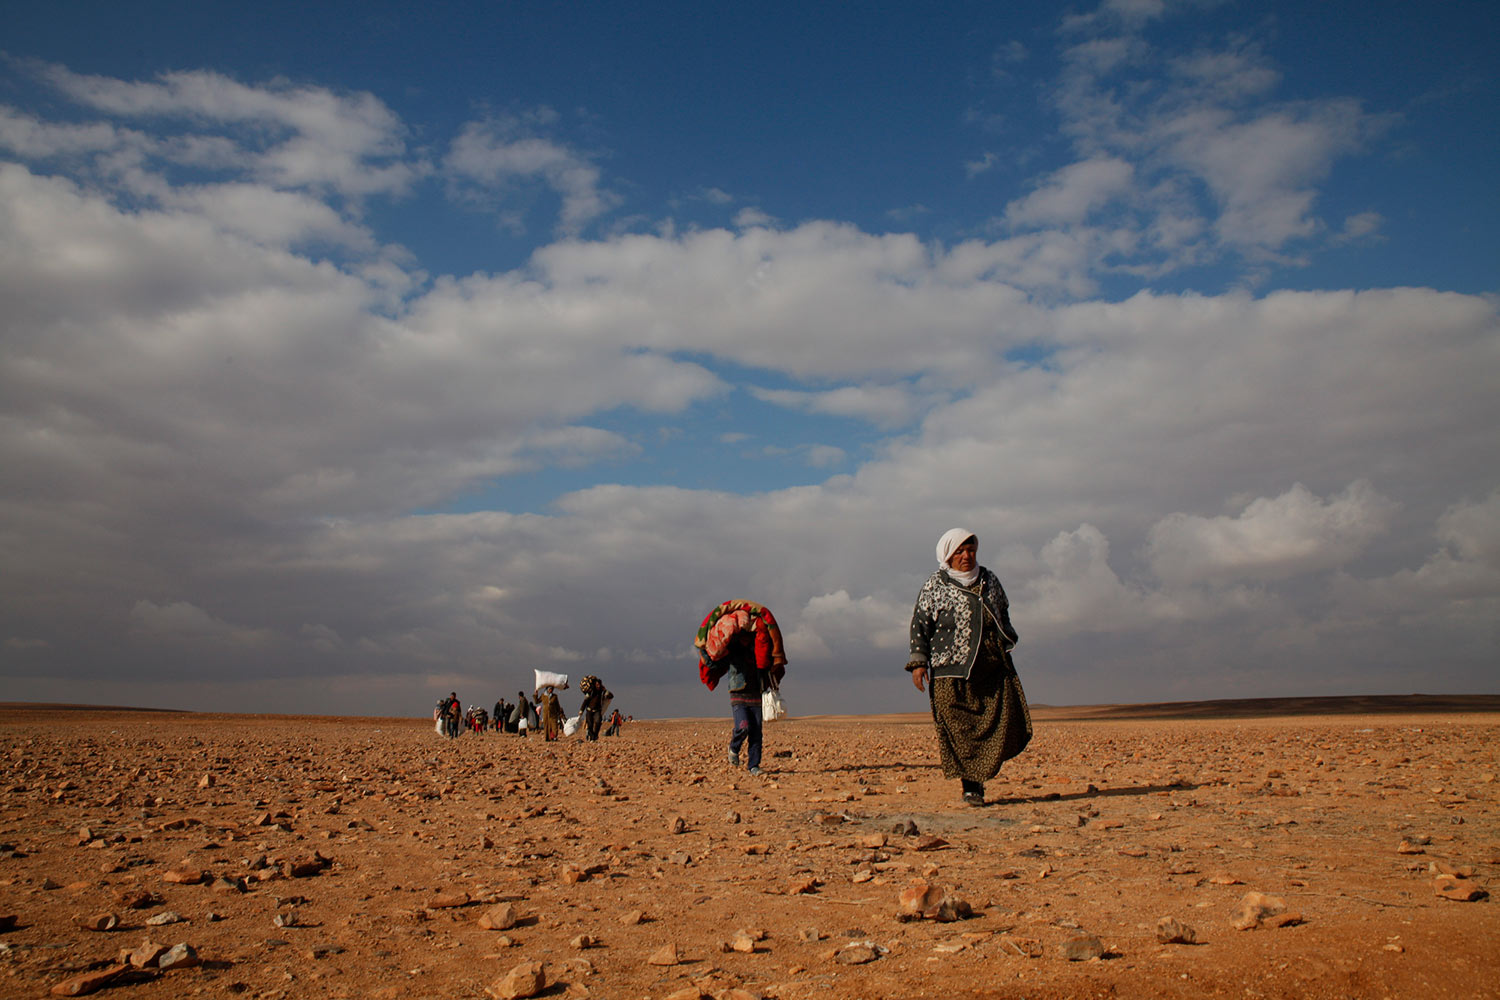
(949, 620)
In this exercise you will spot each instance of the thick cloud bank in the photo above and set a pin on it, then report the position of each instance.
(235, 419)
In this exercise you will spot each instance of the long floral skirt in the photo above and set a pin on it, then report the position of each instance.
(981, 722)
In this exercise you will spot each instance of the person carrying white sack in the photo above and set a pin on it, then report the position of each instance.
(739, 641)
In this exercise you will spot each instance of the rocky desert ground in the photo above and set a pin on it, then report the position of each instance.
(1217, 852)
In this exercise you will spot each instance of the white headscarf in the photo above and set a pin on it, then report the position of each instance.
(947, 545)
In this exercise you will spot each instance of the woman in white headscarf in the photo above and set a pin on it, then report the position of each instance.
(961, 638)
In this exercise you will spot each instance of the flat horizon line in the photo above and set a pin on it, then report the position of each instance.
(1376, 704)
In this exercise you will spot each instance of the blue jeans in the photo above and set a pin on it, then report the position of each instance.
(746, 729)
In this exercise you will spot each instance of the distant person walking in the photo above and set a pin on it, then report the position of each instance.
(961, 638)
(616, 720)
(740, 642)
(522, 714)
(552, 713)
(596, 699)
(452, 714)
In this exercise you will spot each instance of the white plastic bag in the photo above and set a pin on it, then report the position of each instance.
(771, 706)
(570, 726)
(547, 677)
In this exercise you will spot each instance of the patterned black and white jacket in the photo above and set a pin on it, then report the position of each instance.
(947, 623)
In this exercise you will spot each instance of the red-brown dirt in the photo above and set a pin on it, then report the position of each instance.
(767, 886)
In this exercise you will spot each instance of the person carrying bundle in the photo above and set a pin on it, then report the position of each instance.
(740, 642)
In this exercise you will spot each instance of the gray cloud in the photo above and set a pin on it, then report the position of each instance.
(219, 446)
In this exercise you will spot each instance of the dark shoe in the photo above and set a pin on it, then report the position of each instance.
(974, 798)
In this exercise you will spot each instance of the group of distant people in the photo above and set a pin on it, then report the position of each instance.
(543, 711)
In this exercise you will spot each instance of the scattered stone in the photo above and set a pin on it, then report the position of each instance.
(1021, 946)
(1448, 887)
(665, 955)
(688, 993)
(583, 942)
(180, 956)
(676, 824)
(304, 867)
(1255, 907)
(165, 917)
(632, 918)
(908, 828)
(525, 980)
(448, 900)
(96, 922)
(136, 898)
(874, 841)
(287, 918)
(146, 954)
(918, 896)
(1081, 948)
(857, 953)
(1283, 920)
(924, 901)
(578, 967)
(185, 876)
(500, 917)
(1170, 930)
(1407, 847)
(929, 843)
(803, 886)
(90, 982)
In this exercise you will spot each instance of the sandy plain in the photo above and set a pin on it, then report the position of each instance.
(326, 857)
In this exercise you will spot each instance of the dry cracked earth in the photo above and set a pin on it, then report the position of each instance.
(155, 855)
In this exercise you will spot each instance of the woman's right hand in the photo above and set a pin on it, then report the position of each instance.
(919, 678)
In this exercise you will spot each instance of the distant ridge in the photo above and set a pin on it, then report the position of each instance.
(57, 706)
(1245, 708)
(1225, 708)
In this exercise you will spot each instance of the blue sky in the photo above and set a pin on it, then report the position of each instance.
(351, 354)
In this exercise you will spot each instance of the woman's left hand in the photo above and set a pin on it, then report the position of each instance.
(919, 678)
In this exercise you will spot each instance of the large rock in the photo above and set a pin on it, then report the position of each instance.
(1081, 948)
(665, 955)
(1170, 930)
(500, 917)
(528, 979)
(1255, 907)
(180, 956)
(145, 956)
(90, 982)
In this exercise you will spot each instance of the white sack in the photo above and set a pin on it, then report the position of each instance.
(547, 677)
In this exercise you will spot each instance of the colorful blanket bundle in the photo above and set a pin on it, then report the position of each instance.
(732, 620)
